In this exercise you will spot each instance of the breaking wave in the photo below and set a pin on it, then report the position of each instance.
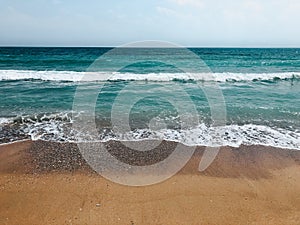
(58, 128)
(73, 76)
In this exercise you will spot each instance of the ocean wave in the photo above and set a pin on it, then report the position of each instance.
(230, 135)
(72, 76)
(58, 128)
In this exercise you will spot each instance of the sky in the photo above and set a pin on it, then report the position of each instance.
(203, 23)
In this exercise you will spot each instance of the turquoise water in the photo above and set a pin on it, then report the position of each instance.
(261, 90)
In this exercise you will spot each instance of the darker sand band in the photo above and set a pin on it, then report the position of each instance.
(245, 161)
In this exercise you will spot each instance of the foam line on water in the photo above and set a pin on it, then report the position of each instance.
(58, 127)
(230, 135)
(114, 76)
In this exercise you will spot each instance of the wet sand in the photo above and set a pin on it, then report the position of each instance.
(50, 183)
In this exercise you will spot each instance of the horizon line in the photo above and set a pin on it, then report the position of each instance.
(107, 46)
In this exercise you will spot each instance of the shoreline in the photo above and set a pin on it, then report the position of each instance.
(49, 183)
(142, 140)
(14, 142)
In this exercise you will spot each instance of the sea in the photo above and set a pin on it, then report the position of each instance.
(238, 96)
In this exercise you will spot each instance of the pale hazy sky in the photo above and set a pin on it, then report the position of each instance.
(186, 22)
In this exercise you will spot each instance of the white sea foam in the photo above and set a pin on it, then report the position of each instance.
(4, 121)
(41, 75)
(102, 76)
(58, 128)
(231, 135)
(202, 135)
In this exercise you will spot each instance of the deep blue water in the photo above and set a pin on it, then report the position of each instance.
(218, 59)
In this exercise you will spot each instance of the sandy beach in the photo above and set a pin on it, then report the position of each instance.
(49, 183)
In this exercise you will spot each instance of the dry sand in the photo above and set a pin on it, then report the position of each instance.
(48, 183)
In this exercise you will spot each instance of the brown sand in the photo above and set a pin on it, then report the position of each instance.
(41, 184)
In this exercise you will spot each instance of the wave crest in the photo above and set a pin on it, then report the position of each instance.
(73, 76)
